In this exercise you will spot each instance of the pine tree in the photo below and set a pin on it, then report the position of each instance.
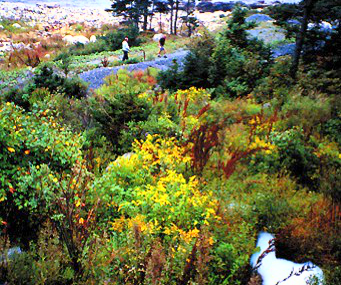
(161, 7)
(131, 10)
(189, 19)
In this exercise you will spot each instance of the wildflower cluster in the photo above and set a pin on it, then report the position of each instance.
(160, 199)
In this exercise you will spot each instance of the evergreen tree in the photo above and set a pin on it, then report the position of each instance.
(161, 7)
(238, 62)
(131, 10)
(189, 19)
(315, 42)
(233, 65)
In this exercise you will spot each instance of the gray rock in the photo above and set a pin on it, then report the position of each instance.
(267, 35)
(258, 18)
(294, 22)
(16, 25)
(10, 253)
(286, 49)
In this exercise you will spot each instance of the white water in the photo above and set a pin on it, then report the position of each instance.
(277, 271)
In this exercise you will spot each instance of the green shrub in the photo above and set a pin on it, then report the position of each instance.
(332, 128)
(28, 141)
(93, 47)
(43, 263)
(121, 102)
(115, 38)
(47, 78)
(333, 275)
(233, 64)
(172, 78)
(18, 97)
(297, 156)
(20, 270)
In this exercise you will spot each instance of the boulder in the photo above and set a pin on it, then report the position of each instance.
(10, 254)
(5, 47)
(258, 18)
(286, 49)
(323, 26)
(258, 5)
(81, 39)
(68, 39)
(157, 37)
(19, 46)
(294, 22)
(93, 39)
(223, 6)
(16, 25)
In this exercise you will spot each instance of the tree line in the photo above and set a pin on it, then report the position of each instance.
(142, 12)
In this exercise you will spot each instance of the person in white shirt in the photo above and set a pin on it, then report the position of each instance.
(125, 48)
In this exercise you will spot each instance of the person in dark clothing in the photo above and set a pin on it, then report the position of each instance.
(162, 42)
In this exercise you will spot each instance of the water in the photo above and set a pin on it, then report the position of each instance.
(275, 270)
(99, 4)
(103, 4)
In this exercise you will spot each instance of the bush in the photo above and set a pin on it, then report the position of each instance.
(115, 38)
(43, 263)
(112, 41)
(172, 78)
(93, 47)
(29, 141)
(47, 78)
(234, 65)
(119, 103)
(18, 97)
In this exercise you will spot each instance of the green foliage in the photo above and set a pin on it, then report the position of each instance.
(318, 42)
(98, 46)
(333, 276)
(43, 263)
(120, 103)
(115, 38)
(237, 28)
(236, 72)
(47, 78)
(234, 64)
(201, 174)
(295, 155)
(231, 256)
(18, 97)
(131, 10)
(28, 141)
(172, 78)
(11, 79)
(64, 63)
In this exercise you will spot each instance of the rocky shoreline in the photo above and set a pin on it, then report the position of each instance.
(54, 15)
(48, 20)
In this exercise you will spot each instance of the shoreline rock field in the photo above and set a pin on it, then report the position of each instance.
(55, 15)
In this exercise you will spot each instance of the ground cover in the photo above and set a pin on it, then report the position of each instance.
(168, 177)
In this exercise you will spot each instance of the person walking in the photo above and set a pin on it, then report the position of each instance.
(125, 49)
(162, 42)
